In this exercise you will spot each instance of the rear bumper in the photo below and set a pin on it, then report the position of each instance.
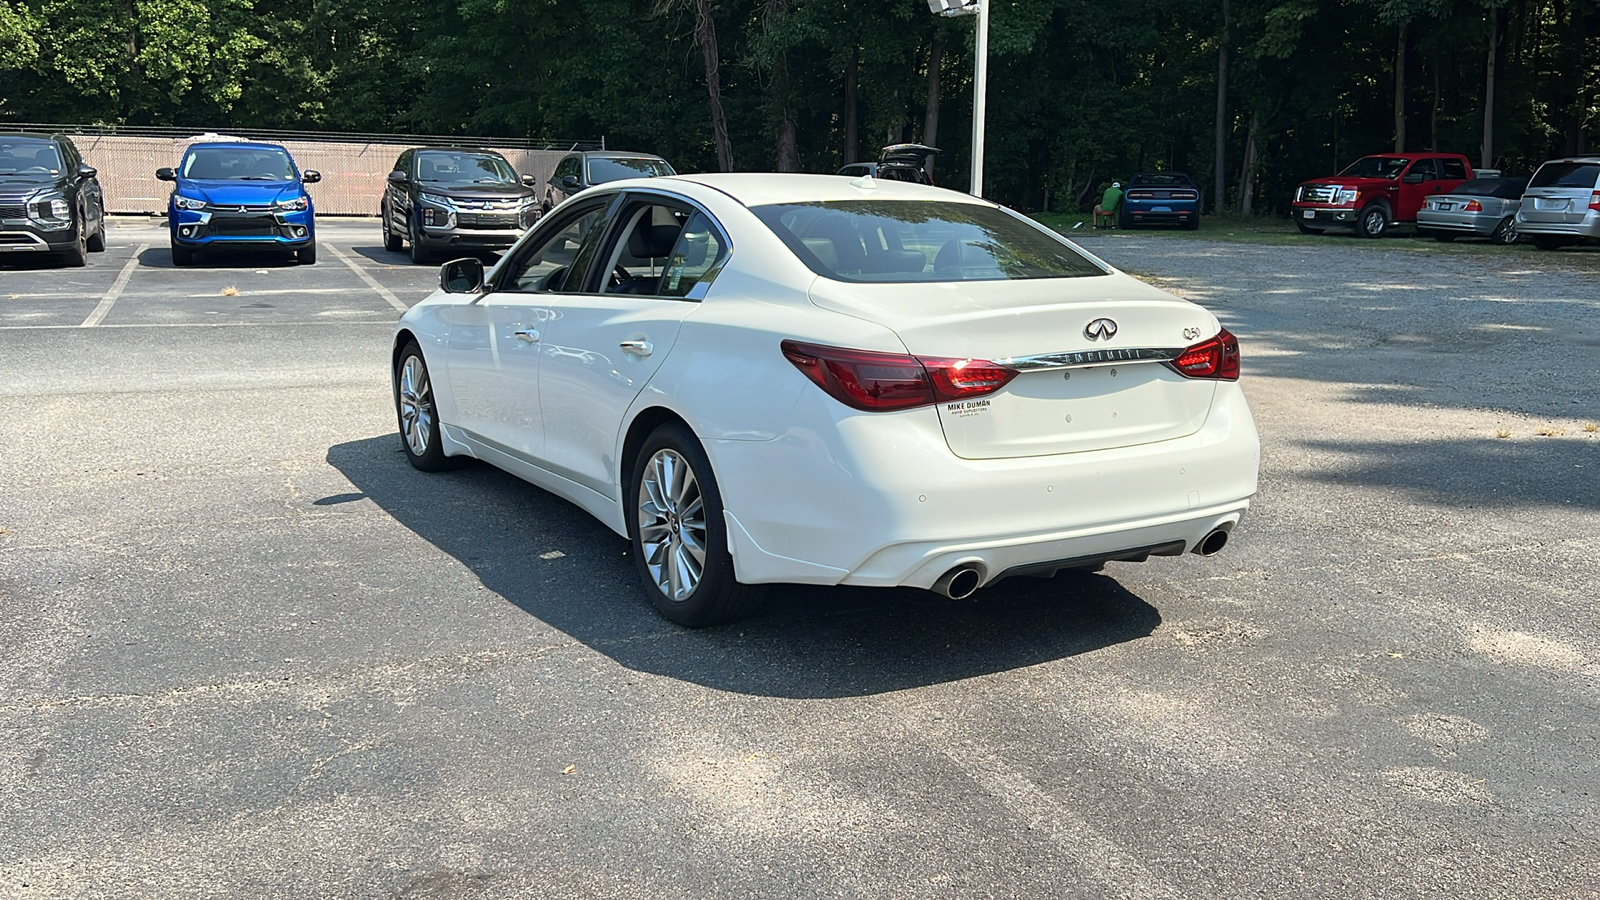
(1159, 213)
(879, 500)
(1588, 227)
(1458, 222)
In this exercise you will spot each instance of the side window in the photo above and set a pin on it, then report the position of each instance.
(1424, 167)
(696, 260)
(553, 262)
(1454, 170)
(569, 166)
(643, 248)
(403, 164)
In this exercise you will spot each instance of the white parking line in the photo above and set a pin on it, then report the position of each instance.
(383, 292)
(99, 314)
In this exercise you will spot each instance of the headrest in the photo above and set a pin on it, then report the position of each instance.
(652, 241)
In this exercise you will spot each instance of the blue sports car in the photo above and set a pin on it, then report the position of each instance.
(240, 195)
(1160, 198)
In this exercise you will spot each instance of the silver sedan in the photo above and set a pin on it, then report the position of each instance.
(1482, 207)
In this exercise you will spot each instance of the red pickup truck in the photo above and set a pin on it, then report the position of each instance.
(1377, 191)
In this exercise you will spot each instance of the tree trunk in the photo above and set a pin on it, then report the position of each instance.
(1486, 156)
(1433, 118)
(1400, 93)
(1247, 172)
(852, 142)
(786, 157)
(705, 34)
(1219, 189)
(930, 124)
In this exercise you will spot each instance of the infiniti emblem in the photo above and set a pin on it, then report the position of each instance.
(1100, 330)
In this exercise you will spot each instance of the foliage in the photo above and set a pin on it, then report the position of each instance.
(1081, 92)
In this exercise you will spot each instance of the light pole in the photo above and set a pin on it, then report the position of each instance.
(980, 77)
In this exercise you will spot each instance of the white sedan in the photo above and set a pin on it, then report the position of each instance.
(805, 378)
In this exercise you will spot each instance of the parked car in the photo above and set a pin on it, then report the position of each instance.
(1376, 192)
(783, 378)
(583, 170)
(50, 199)
(1482, 207)
(445, 199)
(1562, 203)
(896, 162)
(240, 195)
(1152, 198)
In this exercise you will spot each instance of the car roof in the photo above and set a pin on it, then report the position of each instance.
(439, 149)
(236, 145)
(25, 136)
(618, 154)
(766, 188)
(1586, 160)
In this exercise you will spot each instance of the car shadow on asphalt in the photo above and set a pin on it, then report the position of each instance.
(161, 258)
(403, 258)
(559, 564)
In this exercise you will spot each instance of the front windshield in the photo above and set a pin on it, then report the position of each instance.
(1388, 167)
(441, 167)
(910, 241)
(24, 157)
(609, 168)
(238, 164)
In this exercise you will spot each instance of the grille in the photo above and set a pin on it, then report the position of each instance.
(1319, 193)
(13, 211)
(486, 220)
(243, 226)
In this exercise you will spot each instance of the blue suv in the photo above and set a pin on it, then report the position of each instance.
(240, 195)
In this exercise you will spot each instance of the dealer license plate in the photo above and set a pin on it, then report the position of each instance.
(1310, 214)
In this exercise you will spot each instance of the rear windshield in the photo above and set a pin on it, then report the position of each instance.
(444, 167)
(602, 170)
(908, 241)
(1376, 167)
(1566, 175)
(19, 156)
(238, 164)
(1504, 188)
(1160, 181)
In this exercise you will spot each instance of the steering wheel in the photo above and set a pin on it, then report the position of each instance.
(620, 276)
(554, 276)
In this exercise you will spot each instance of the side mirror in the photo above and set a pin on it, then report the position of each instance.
(310, 176)
(165, 173)
(529, 180)
(87, 171)
(569, 182)
(1412, 178)
(397, 177)
(461, 276)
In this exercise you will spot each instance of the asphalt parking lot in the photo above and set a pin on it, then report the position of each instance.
(249, 652)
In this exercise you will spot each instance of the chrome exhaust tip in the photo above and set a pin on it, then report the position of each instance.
(959, 583)
(1212, 543)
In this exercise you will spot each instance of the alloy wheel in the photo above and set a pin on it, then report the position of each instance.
(672, 524)
(416, 405)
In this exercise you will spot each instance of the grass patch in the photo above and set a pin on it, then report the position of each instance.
(1502, 432)
(230, 291)
(1548, 431)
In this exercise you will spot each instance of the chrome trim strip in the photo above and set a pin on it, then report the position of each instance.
(1077, 359)
(34, 244)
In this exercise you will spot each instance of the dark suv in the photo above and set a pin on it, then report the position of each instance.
(580, 171)
(50, 201)
(449, 199)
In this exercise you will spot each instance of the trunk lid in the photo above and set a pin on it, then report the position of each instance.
(1075, 392)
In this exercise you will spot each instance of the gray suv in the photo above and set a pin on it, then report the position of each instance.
(451, 200)
(1561, 205)
(579, 171)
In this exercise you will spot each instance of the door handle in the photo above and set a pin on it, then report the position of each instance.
(637, 348)
(531, 335)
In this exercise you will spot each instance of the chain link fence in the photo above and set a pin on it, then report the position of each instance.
(354, 167)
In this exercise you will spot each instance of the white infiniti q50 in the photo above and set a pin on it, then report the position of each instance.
(807, 378)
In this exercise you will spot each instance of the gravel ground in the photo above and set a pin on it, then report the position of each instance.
(249, 653)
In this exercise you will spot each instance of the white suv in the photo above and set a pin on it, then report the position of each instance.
(1561, 205)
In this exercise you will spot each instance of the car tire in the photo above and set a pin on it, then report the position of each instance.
(678, 535)
(97, 241)
(391, 242)
(419, 255)
(76, 256)
(1443, 237)
(1373, 221)
(1549, 241)
(182, 256)
(1192, 225)
(307, 255)
(1505, 233)
(416, 412)
(1123, 220)
(1306, 229)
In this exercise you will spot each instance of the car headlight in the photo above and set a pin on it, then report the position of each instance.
(1347, 195)
(49, 206)
(294, 203)
(183, 202)
(436, 199)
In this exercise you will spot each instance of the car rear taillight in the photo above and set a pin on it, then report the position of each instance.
(880, 382)
(1473, 206)
(1217, 357)
(1141, 195)
(1594, 201)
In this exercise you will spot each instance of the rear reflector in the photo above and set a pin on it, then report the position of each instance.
(880, 382)
(1217, 357)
